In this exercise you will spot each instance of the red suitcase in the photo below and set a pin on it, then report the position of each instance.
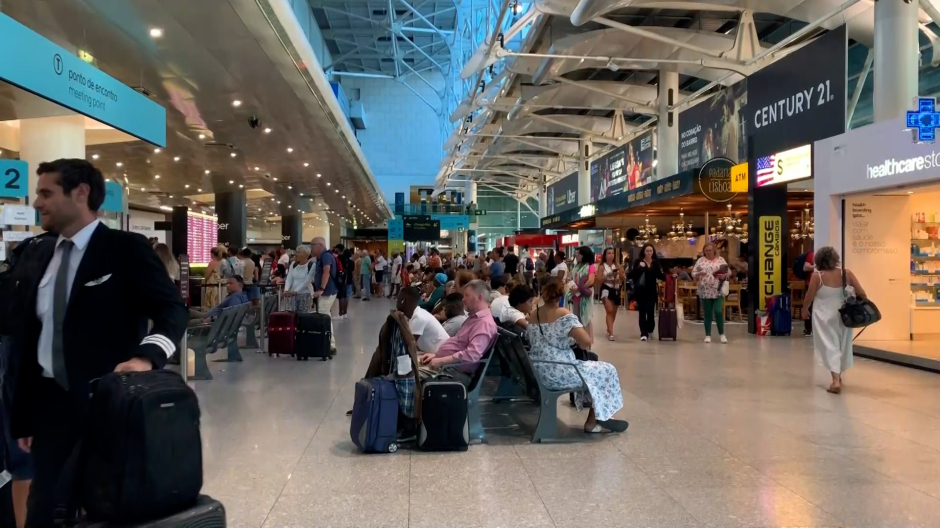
(282, 327)
(669, 293)
(668, 324)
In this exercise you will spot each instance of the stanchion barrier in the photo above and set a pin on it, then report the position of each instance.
(184, 357)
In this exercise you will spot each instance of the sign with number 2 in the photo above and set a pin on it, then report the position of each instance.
(14, 179)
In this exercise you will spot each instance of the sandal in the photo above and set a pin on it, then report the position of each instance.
(836, 390)
(614, 426)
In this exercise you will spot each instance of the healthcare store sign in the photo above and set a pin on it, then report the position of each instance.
(563, 194)
(624, 169)
(713, 129)
(800, 98)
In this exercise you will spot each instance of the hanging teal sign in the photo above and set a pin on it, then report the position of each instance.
(113, 197)
(51, 72)
(396, 229)
(14, 179)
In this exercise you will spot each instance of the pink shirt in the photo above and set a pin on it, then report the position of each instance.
(472, 340)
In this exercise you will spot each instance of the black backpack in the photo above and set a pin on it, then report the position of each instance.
(798, 267)
(142, 453)
(22, 260)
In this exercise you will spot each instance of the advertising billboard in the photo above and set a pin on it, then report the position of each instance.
(563, 194)
(787, 166)
(623, 169)
(714, 129)
(800, 98)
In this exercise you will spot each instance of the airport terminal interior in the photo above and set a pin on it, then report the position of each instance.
(690, 178)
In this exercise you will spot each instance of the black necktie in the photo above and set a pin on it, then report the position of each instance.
(60, 302)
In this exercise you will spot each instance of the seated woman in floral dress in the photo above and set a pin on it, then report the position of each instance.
(552, 331)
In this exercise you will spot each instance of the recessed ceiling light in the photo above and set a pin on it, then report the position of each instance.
(267, 131)
(202, 136)
(156, 177)
(289, 150)
(187, 186)
(275, 179)
(233, 154)
(256, 168)
(301, 194)
(176, 158)
(344, 197)
(156, 32)
(231, 182)
(119, 164)
(241, 186)
(318, 175)
(306, 164)
(236, 103)
(328, 184)
(290, 186)
(156, 151)
(207, 171)
(288, 207)
(94, 156)
(198, 190)
(171, 196)
(337, 191)
(278, 201)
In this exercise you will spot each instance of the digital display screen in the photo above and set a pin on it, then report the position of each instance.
(202, 235)
(421, 228)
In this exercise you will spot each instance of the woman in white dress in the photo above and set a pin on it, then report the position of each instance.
(552, 331)
(831, 339)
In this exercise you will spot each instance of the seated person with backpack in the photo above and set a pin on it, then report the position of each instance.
(471, 341)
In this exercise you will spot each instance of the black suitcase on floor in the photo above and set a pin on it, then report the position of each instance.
(444, 422)
(313, 336)
(142, 452)
(206, 513)
(668, 324)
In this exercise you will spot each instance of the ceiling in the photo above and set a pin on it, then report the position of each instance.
(388, 37)
(539, 87)
(302, 156)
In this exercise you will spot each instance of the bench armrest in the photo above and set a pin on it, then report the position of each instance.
(572, 365)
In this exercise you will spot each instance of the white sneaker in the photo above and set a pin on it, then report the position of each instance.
(724, 339)
(643, 338)
(708, 339)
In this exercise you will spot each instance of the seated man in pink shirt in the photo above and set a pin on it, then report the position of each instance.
(472, 340)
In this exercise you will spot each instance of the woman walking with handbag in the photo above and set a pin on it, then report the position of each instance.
(645, 273)
(828, 289)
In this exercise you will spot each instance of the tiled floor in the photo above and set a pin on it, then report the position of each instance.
(721, 435)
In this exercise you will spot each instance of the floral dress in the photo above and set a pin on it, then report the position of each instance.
(709, 286)
(581, 304)
(551, 342)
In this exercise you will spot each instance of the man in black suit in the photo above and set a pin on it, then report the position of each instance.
(83, 300)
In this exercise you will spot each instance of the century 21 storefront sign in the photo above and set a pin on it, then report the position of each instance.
(769, 253)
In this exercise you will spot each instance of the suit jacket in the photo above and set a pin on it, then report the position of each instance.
(119, 287)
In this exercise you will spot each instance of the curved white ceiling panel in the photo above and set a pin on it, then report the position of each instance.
(859, 18)
(616, 43)
(531, 125)
(549, 146)
(615, 96)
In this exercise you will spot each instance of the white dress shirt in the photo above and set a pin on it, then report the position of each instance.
(44, 297)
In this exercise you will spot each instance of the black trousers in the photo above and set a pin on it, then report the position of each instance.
(60, 424)
(808, 322)
(647, 309)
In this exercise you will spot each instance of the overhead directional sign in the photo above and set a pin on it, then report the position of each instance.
(54, 73)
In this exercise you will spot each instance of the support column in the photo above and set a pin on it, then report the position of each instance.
(543, 201)
(179, 230)
(667, 130)
(292, 230)
(896, 58)
(471, 192)
(585, 149)
(48, 139)
(233, 221)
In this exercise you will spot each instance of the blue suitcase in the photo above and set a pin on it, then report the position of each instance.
(374, 427)
(781, 323)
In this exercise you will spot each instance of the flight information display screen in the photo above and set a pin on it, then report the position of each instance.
(202, 235)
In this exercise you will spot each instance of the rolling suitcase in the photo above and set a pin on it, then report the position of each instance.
(281, 333)
(142, 452)
(668, 324)
(313, 336)
(781, 320)
(444, 422)
(206, 513)
(374, 424)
